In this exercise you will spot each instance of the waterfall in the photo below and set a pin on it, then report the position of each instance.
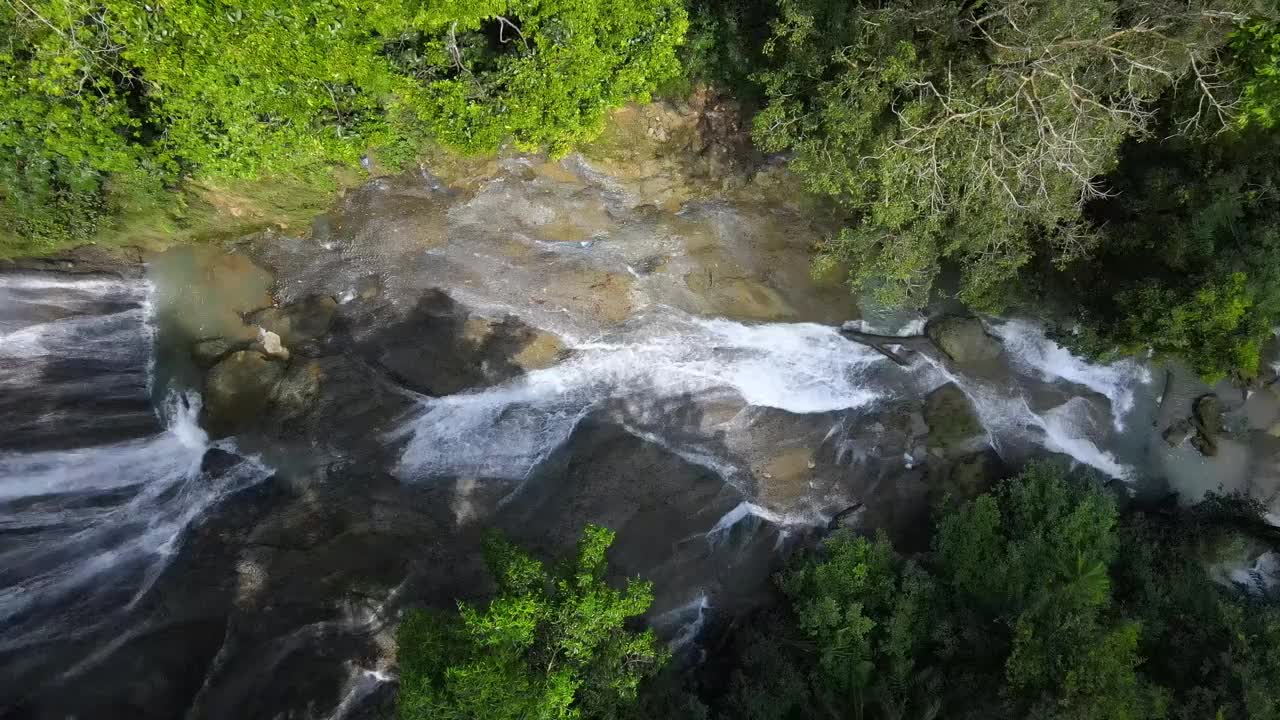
(75, 358)
(662, 372)
(663, 362)
(1031, 351)
(97, 502)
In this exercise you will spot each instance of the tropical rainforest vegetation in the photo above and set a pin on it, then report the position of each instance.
(1112, 163)
(1028, 145)
(107, 106)
(1039, 599)
(549, 645)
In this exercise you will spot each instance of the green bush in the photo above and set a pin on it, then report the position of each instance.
(1190, 263)
(1257, 47)
(1038, 600)
(106, 104)
(546, 647)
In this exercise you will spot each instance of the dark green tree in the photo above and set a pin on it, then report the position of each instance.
(1190, 266)
(975, 133)
(1011, 616)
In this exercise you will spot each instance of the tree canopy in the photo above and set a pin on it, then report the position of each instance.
(105, 104)
(1190, 261)
(1038, 600)
(548, 646)
(976, 133)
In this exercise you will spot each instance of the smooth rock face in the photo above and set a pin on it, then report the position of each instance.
(952, 422)
(438, 348)
(1178, 432)
(209, 352)
(84, 260)
(297, 322)
(238, 389)
(963, 339)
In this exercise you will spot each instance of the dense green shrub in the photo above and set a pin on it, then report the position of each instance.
(1257, 48)
(546, 647)
(106, 103)
(1039, 600)
(1190, 263)
(975, 132)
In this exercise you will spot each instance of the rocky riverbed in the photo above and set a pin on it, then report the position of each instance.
(319, 426)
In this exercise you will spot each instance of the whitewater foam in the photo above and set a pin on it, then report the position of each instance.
(1030, 349)
(506, 431)
(117, 511)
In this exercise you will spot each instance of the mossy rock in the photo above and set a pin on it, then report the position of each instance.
(963, 339)
(953, 422)
(238, 390)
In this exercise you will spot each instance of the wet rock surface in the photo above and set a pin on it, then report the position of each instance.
(964, 339)
(298, 322)
(953, 423)
(238, 390)
(440, 348)
(628, 337)
(86, 260)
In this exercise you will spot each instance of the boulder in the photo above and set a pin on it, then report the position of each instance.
(295, 393)
(210, 351)
(1208, 422)
(217, 461)
(1208, 415)
(963, 339)
(953, 422)
(307, 319)
(1178, 432)
(238, 389)
(1206, 445)
(440, 348)
(971, 475)
(269, 343)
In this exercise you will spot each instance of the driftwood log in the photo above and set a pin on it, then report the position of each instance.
(834, 523)
(882, 344)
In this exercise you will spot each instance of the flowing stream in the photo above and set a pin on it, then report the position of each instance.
(660, 366)
(88, 524)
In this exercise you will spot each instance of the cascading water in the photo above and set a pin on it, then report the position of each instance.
(705, 406)
(75, 359)
(506, 431)
(89, 521)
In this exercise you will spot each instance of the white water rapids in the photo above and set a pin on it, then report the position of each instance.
(87, 527)
(664, 361)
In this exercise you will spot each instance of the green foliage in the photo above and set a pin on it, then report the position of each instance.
(549, 75)
(105, 104)
(971, 132)
(724, 47)
(1029, 564)
(1191, 262)
(866, 612)
(65, 124)
(1038, 601)
(1257, 48)
(1213, 649)
(548, 646)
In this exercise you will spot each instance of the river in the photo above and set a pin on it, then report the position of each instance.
(196, 526)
